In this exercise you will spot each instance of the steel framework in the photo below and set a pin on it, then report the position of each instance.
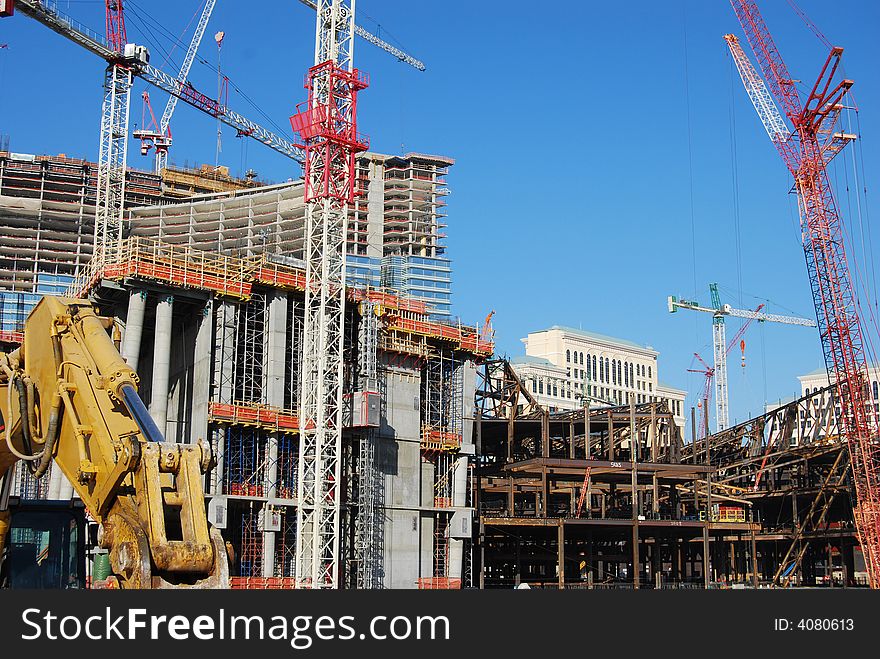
(113, 147)
(370, 527)
(806, 153)
(328, 126)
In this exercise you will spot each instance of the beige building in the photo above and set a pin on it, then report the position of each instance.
(563, 365)
(817, 380)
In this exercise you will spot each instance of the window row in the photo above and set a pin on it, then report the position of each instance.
(609, 371)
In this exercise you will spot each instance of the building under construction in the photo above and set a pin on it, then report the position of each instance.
(615, 499)
(209, 293)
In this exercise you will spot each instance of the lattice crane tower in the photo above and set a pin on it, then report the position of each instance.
(328, 125)
(806, 150)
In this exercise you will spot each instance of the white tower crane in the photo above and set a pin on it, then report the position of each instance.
(328, 125)
(719, 341)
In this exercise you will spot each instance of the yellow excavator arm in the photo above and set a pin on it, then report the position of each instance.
(67, 395)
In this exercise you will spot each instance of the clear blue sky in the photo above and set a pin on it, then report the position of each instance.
(571, 194)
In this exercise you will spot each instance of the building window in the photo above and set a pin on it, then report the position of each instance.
(626, 373)
(649, 373)
(613, 371)
(568, 355)
(540, 386)
(595, 372)
(607, 370)
(582, 359)
(874, 384)
(555, 390)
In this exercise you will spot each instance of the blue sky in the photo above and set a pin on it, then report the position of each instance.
(594, 172)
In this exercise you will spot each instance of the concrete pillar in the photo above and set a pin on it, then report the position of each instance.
(459, 499)
(201, 377)
(273, 394)
(134, 327)
(161, 362)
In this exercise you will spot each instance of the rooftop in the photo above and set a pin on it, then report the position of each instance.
(595, 336)
(534, 361)
(667, 387)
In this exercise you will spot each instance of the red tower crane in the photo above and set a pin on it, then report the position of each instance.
(806, 149)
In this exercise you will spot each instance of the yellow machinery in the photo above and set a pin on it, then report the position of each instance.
(67, 395)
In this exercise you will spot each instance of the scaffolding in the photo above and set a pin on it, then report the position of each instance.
(244, 462)
(250, 349)
(442, 402)
(370, 523)
(442, 427)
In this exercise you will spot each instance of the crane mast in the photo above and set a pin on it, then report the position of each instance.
(812, 144)
(327, 123)
(719, 349)
(113, 148)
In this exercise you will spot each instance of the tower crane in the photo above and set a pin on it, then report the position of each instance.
(709, 371)
(327, 124)
(125, 61)
(719, 340)
(160, 137)
(807, 142)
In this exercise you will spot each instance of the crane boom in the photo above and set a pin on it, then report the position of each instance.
(379, 42)
(165, 121)
(779, 81)
(768, 317)
(71, 29)
(758, 93)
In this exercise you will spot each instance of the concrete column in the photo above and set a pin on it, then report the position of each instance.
(459, 499)
(134, 327)
(161, 362)
(201, 377)
(273, 394)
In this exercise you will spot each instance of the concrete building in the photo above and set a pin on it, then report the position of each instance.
(209, 293)
(563, 365)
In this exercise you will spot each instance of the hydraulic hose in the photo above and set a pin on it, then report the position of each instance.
(54, 414)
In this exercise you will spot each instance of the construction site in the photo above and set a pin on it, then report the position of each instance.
(363, 437)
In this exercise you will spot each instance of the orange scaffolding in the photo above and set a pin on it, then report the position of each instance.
(186, 267)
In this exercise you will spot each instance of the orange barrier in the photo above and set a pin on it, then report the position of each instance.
(246, 414)
(10, 336)
(263, 583)
(438, 583)
(438, 440)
